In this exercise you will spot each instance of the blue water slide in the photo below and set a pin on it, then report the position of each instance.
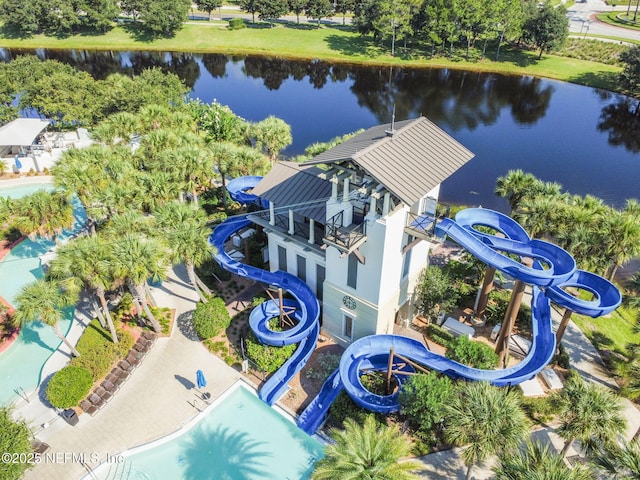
(315, 413)
(239, 190)
(305, 305)
(553, 269)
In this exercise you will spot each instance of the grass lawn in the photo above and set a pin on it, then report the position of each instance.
(335, 44)
(612, 332)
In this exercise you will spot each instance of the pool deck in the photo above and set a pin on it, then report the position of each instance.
(153, 402)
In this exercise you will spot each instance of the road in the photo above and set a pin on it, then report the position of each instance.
(582, 20)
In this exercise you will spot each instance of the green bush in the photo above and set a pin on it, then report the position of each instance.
(474, 354)
(539, 409)
(15, 438)
(439, 335)
(423, 400)
(343, 407)
(211, 318)
(68, 386)
(236, 24)
(97, 351)
(267, 358)
(497, 308)
(327, 363)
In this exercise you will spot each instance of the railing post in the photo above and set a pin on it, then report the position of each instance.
(312, 231)
(292, 229)
(272, 214)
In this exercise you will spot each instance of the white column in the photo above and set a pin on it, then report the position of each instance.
(386, 203)
(272, 214)
(312, 231)
(345, 191)
(291, 225)
(372, 208)
(334, 189)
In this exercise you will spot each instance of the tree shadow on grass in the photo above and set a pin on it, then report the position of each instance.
(518, 56)
(13, 33)
(603, 80)
(301, 26)
(353, 46)
(140, 34)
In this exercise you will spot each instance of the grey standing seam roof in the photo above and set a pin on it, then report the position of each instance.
(415, 159)
(290, 183)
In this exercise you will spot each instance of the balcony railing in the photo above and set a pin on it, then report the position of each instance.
(344, 238)
(421, 225)
(301, 229)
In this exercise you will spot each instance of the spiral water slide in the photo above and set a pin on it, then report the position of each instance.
(305, 304)
(552, 270)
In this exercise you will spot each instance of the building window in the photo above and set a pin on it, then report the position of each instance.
(302, 268)
(352, 271)
(320, 274)
(406, 263)
(282, 258)
(347, 327)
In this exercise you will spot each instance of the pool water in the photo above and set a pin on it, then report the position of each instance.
(240, 437)
(21, 364)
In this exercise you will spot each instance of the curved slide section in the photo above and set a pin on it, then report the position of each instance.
(238, 189)
(553, 269)
(307, 309)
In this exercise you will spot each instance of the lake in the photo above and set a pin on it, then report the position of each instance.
(581, 137)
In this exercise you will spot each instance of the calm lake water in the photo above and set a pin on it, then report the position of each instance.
(581, 137)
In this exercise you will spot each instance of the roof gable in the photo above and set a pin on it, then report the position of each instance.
(410, 162)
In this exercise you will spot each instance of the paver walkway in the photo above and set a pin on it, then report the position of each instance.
(157, 399)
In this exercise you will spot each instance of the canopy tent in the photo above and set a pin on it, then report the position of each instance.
(21, 132)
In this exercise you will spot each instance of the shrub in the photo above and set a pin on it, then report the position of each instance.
(211, 318)
(236, 24)
(68, 386)
(435, 292)
(497, 308)
(423, 399)
(97, 351)
(343, 407)
(15, 438)
(439, 335)
(474, 354)
(539, 409)
(267, 358)
(327, 363)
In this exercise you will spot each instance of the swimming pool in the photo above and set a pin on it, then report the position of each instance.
(21, 364)
(238, 437)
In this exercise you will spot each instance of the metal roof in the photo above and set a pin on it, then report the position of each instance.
(291, 184)
(412, 161)
(22, 131)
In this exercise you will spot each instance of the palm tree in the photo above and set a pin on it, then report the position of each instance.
(224, 158)
(623, 239)
(535, 460)
(272, 135)
(489, 420)
(367, 451)
(118, 128)
(621, 461)
(185, 233)
(589, 413)
(136, 259)
(86, 262)
(43, 213)
(517, 185)
(44, 301)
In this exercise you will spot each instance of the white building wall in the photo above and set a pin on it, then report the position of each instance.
(313, 258)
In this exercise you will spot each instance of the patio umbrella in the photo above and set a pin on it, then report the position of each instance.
(200, 380)
(17, 162)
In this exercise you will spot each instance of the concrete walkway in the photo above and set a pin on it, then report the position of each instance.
(157, 399)
(586, 361)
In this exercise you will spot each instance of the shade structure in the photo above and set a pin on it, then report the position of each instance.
(200, 380)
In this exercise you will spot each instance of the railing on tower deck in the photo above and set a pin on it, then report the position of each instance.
(345, 238)
(300, 229)
(421, 225)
